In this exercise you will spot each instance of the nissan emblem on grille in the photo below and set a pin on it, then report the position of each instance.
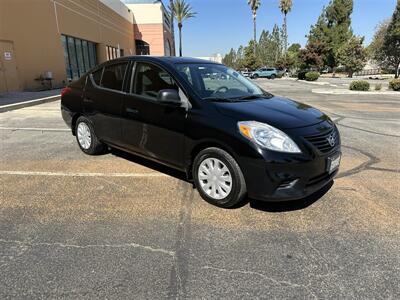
(331, 140)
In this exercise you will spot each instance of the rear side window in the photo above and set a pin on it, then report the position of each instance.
(150, 79)
(113, 76)
(97, 76)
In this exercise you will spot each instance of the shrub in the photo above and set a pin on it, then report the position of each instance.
(359, 85)
(312, 76)
(301, 75)
(395, 85)
(378, 86)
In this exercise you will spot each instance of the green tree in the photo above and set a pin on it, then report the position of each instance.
(291, 59)
(181, 11)
(391, 44)
(230, 59)
(352, 55)
(375, 49)
(250, 61)
(295, 48)
(312, 57)
(285, 6)
(333, 28)
(254, 5)
(270, 45)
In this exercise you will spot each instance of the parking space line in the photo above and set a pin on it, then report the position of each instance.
(35, 129)
(77, 174)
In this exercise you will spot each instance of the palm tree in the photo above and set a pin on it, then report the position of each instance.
(254, 5)
(171, 19)
(181, 11)
(286, 7)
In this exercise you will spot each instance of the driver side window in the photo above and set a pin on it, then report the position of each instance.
(150, 79)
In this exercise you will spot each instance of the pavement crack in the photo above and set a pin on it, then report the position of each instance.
(372, 160)
(263, 276)
(179, 273)
(63, 245)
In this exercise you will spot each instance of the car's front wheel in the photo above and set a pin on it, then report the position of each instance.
(218, 178)
(273, 76)
(86, 138)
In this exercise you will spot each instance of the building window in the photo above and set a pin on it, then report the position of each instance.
(167, 49)
(113, 52)
(142, 48)
(79, 56)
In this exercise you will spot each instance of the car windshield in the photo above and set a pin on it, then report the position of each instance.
(218, 82)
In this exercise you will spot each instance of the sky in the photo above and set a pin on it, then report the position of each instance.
(224, 24)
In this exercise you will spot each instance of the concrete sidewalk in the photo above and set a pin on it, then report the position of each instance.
(16, 100)
(17, 97)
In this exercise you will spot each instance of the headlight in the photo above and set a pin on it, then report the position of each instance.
(268, 137)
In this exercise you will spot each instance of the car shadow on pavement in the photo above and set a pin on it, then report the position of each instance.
(266, 206)
(290, 205)
(149, 164)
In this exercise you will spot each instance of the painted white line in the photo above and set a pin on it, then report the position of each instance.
(35, 129)
(75, 174)
(30, 101)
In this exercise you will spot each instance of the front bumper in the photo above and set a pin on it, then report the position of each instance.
(274, 176)
(279, 181)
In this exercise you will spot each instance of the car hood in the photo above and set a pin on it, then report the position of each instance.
(279, 112)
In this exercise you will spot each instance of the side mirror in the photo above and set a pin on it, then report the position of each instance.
(169, 96)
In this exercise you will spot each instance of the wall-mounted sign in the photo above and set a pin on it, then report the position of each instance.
(7, 55)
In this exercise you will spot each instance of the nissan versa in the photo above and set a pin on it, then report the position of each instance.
(232, 138)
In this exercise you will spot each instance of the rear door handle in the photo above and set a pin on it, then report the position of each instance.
(88, 100)
(132, 111)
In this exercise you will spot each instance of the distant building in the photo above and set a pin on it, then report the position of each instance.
(47, 43)
(59, 40)
(215, 58)
(152, 28)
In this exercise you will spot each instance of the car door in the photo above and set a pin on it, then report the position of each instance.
(154, 129)
(103, 99)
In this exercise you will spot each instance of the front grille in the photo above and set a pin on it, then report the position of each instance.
(321, 141)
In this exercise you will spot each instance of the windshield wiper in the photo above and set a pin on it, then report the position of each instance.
(218, 99)
(250, 97)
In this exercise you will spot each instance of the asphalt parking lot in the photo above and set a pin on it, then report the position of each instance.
(116, 226)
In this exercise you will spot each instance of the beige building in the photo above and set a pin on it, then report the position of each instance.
(59, 39)
(152, 28)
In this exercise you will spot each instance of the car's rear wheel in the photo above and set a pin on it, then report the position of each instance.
(218, 178)
(273, 76)
(255, 76)
(86, 138)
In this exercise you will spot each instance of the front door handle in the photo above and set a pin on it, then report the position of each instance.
(132, 111)
(88, 100)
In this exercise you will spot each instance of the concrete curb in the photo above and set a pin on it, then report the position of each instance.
(19, 105)
(348, 92)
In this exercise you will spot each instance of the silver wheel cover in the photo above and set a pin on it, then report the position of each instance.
(84, 136)
(215, 178)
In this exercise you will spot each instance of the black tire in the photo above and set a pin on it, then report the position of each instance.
(238, 189)
(273, 76)
(255, 76)
(96, 147)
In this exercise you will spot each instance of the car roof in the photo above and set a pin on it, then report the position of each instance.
(169, 59)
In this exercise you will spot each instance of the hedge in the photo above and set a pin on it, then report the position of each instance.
(395, 85)
(312, 76)
(359, 85)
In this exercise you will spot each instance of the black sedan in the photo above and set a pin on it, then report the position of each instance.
(229, 136)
